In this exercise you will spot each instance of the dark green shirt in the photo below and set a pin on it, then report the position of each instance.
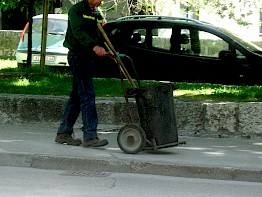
(82, 31)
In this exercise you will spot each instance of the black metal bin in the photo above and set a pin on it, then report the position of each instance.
(157, 128)
(157, 114)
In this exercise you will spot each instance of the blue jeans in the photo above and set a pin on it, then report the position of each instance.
(82, 98)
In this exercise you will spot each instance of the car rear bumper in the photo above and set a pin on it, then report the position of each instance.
(51, 59)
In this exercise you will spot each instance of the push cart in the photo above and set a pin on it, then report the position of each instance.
(155, 104)
(157, 128)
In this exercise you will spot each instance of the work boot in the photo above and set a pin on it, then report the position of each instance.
(65, 138)
(94, 143)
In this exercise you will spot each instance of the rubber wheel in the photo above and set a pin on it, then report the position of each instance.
(131, 139)
(21, 65)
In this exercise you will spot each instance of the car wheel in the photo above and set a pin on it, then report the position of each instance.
(21, 65)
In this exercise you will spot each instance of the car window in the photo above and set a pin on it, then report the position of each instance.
(240, 55)
(161, 38)
(137, 37)
(181, 42)
(196, 42)
(120, 36)
(37, 26)
(55, 26)
(157, 39)
(177, 40)
(211, 45)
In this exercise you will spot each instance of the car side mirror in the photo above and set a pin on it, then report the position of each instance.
(225, 55)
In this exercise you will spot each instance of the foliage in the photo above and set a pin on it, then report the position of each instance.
(22, 4)
(8, 4)
(237, 10)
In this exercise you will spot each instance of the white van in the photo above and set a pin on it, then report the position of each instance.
(56, 54)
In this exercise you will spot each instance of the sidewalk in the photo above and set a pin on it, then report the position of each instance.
(213, 158)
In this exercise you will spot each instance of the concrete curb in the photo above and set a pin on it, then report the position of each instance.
(129, 166)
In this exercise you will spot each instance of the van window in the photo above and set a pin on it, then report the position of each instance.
(54, 26)
(57, 26)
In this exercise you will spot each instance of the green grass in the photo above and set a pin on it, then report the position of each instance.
(57, 82)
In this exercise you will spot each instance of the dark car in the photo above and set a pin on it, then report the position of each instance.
(178, 49)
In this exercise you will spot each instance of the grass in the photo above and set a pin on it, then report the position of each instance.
(57, 82)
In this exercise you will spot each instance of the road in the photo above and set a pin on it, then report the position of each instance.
(28, 182)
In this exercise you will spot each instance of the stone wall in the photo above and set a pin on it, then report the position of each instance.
(202, 119)
(219, 119)
(8, 43)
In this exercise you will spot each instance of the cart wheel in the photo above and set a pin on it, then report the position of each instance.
(131, 139)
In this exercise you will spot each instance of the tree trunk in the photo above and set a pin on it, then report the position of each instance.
(29, 47)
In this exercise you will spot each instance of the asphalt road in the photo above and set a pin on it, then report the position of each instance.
(25, 182)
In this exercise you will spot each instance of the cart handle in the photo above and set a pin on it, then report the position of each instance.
(116, 55)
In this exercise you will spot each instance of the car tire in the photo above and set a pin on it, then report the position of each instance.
(21, 65)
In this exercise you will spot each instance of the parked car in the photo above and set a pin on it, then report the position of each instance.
(159, 48)
(56, 54)
(182, 49)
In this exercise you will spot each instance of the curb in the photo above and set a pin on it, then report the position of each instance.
(129, 166)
